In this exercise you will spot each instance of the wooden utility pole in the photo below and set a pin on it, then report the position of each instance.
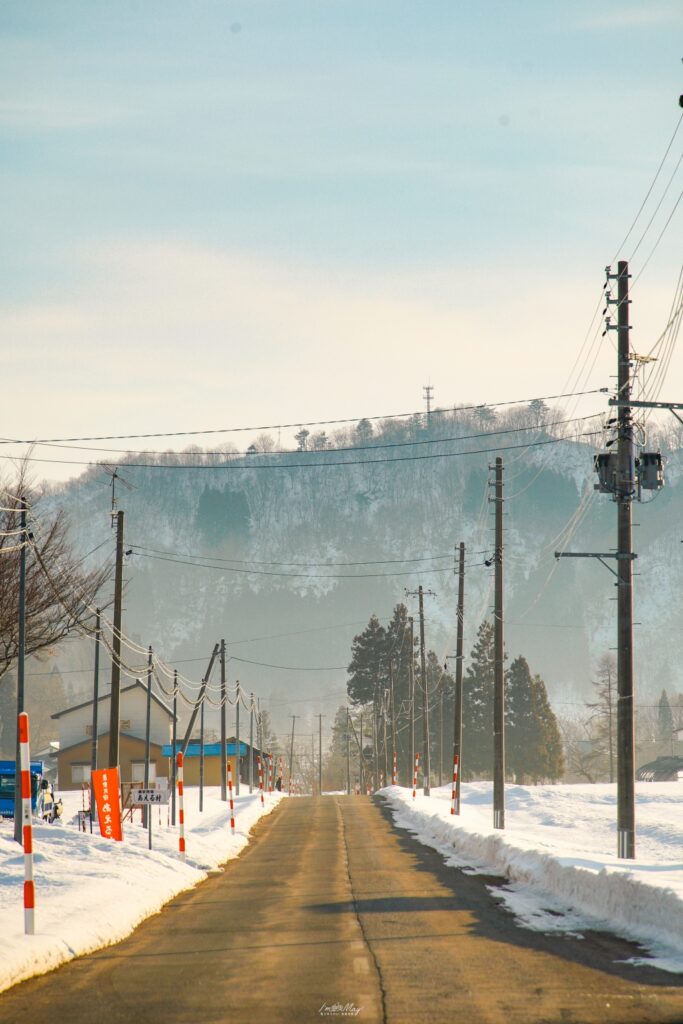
(174, 740)
(394, 753)
(146, 810)
(498, 665)
(21, 658)
(320, 754)
(361, 764)
(95, 702)
(625, 493)
(224, 738)
(457, 716)
(115, 697)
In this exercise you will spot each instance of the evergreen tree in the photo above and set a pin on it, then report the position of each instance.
(665, 719)
(478, 683)
(334, 763)
(547, 761)
(368, 669)
(520, 720)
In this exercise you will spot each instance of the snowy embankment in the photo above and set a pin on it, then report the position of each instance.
(558, 854)
(91, 891)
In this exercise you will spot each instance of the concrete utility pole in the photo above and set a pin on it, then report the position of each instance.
(320, 754)
(146, 810)
(174, 740)
(238, 749)
(115, 697)
(425, 696)
(498, 666)
(348, 753)
(251, 743)
(411, 681)
(457, 716)
(291, 753)
(21, 657)
(393, 717)
(625, 493)
(95, 706)
(224, 738)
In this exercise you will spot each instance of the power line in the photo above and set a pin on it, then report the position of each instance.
(286, 426)
(313, 465)
(252, 561)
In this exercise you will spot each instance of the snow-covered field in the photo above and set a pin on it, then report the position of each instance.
(558, 854)
(91, 891)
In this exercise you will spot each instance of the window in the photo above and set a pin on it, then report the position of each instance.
(138, 771)
(80, 772)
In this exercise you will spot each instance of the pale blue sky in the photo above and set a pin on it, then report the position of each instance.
(218, 213)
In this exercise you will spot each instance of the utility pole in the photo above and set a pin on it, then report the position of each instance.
(498, 665)
(411, 680)
(21, 657)
(348, 753)
(393, 720)
(95, 709)
(115, 697)
(428, 394)
(201, 755)
(238, 749)
(375, 741)
(625, 493)
(291, 753)
(384, 740)
(146, 810)
(361, 766)
(320, 754)
(457, 717)
(224, 739)
(251, 744)
(174, 740)
(425, 697)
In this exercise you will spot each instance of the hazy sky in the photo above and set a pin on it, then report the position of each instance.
(226, 213)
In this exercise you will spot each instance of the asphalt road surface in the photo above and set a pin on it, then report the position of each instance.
(333, 914)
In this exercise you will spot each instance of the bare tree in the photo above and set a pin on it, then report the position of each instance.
(60, 592)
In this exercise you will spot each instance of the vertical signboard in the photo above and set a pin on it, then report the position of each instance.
(105, 784)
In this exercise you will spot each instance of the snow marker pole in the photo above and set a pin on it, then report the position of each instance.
(260, 777)
(230, 799)
(270, 774)
(394, 773)
(181, 805)
(455, 782)
(415, 771)
(27, 827)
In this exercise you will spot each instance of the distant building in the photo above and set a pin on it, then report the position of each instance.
(212, 762)
(75, 737)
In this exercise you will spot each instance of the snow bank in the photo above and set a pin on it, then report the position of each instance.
(558, 850)
(91, 891)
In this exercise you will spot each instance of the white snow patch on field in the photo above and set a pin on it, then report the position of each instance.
(91, 891)
(558, 854)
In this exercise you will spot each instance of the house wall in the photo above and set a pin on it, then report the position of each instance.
(130, 749)
(76, 725)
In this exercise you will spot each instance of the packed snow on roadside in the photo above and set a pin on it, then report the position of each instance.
(558, 856)
(91, 891)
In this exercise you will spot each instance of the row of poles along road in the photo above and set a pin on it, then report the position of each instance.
(623, 489)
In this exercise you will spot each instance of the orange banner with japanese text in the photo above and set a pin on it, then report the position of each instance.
(105, 784)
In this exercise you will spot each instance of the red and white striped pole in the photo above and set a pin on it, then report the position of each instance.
(260, 778)
(455, 782)
(181, 805)
(29, 888)
(394, 773)
(270, 773)
(232, 802)
(415, 771)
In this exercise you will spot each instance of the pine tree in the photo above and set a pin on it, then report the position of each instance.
(334, 763)
(477, 744)
(368, 669)
(520, 720)
(665, 719)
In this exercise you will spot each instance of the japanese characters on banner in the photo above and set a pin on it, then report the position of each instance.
(105, 784)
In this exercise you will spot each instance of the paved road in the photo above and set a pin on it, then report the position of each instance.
(328, 908)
